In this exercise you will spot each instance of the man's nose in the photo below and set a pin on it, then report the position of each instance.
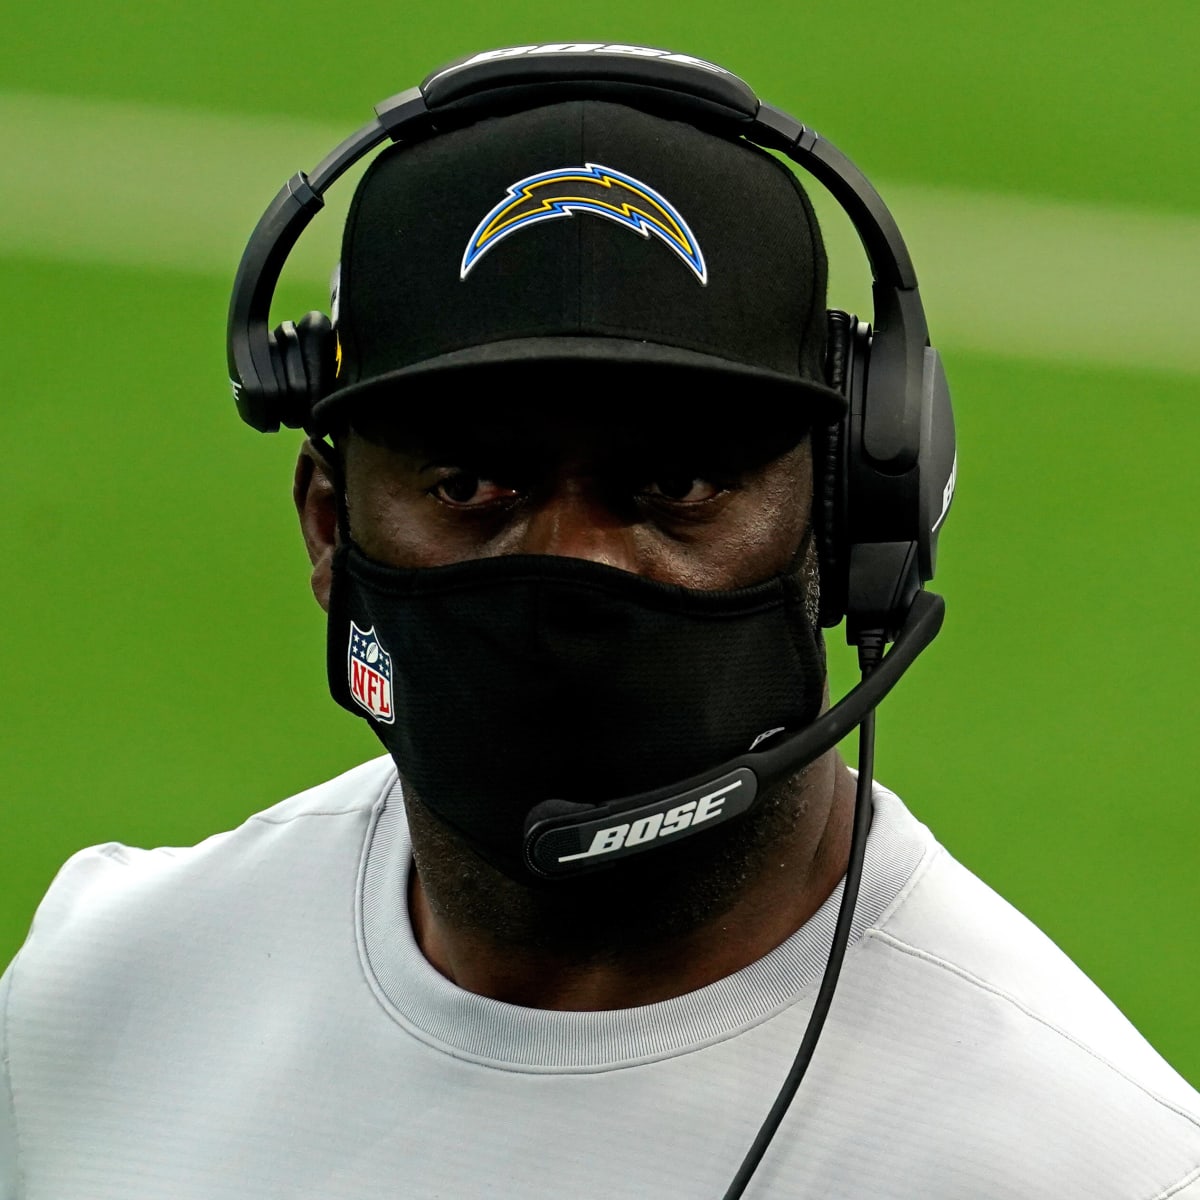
(577, 521)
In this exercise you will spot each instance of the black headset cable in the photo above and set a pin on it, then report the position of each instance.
(870, 651)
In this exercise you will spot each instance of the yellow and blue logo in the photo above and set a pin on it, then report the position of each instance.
(588, 189)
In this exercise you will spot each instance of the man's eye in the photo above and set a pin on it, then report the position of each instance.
(682, 489)
(462, 489)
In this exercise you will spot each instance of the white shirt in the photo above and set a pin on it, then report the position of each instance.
(251, 1017)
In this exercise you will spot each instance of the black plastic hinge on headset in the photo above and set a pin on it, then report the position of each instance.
(300, 192)
(775, 129)
(405, 116)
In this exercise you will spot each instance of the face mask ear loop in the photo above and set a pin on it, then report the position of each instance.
(334, 462)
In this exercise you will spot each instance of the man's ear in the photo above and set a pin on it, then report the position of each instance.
(315, 497)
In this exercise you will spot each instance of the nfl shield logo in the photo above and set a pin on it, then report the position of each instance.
(370, 670)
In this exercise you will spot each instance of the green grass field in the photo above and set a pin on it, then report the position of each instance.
(161, 656)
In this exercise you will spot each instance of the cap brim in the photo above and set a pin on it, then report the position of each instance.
(501, 360)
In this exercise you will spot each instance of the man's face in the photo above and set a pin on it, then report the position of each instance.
(677, 499)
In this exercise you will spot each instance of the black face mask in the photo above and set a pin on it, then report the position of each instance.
(502, 683)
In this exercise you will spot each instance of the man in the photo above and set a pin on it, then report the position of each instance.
(555, 578)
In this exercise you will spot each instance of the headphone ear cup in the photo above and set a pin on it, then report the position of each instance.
(303, 355)
(318, 352)
(829, 473)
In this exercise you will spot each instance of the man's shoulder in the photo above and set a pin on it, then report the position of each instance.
(356, 790)
(112, 893)
(1023, 1043)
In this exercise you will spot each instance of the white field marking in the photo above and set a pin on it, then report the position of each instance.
(136, 185)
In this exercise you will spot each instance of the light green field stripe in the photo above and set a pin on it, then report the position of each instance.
(1023, 276)
(133, 185)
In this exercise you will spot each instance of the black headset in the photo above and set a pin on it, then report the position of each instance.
(884, 474)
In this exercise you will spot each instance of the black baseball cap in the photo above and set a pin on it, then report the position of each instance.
(586, 236)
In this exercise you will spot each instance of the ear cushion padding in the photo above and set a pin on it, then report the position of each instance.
(305, 352)
(828, 482)
(317, 350)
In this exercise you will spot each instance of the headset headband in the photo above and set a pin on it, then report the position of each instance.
(656, 81)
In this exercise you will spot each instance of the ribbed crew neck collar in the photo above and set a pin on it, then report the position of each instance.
(508, 1036)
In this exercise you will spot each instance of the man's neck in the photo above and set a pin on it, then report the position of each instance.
(783, 890)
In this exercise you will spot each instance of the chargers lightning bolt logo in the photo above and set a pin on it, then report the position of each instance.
(588, 189)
